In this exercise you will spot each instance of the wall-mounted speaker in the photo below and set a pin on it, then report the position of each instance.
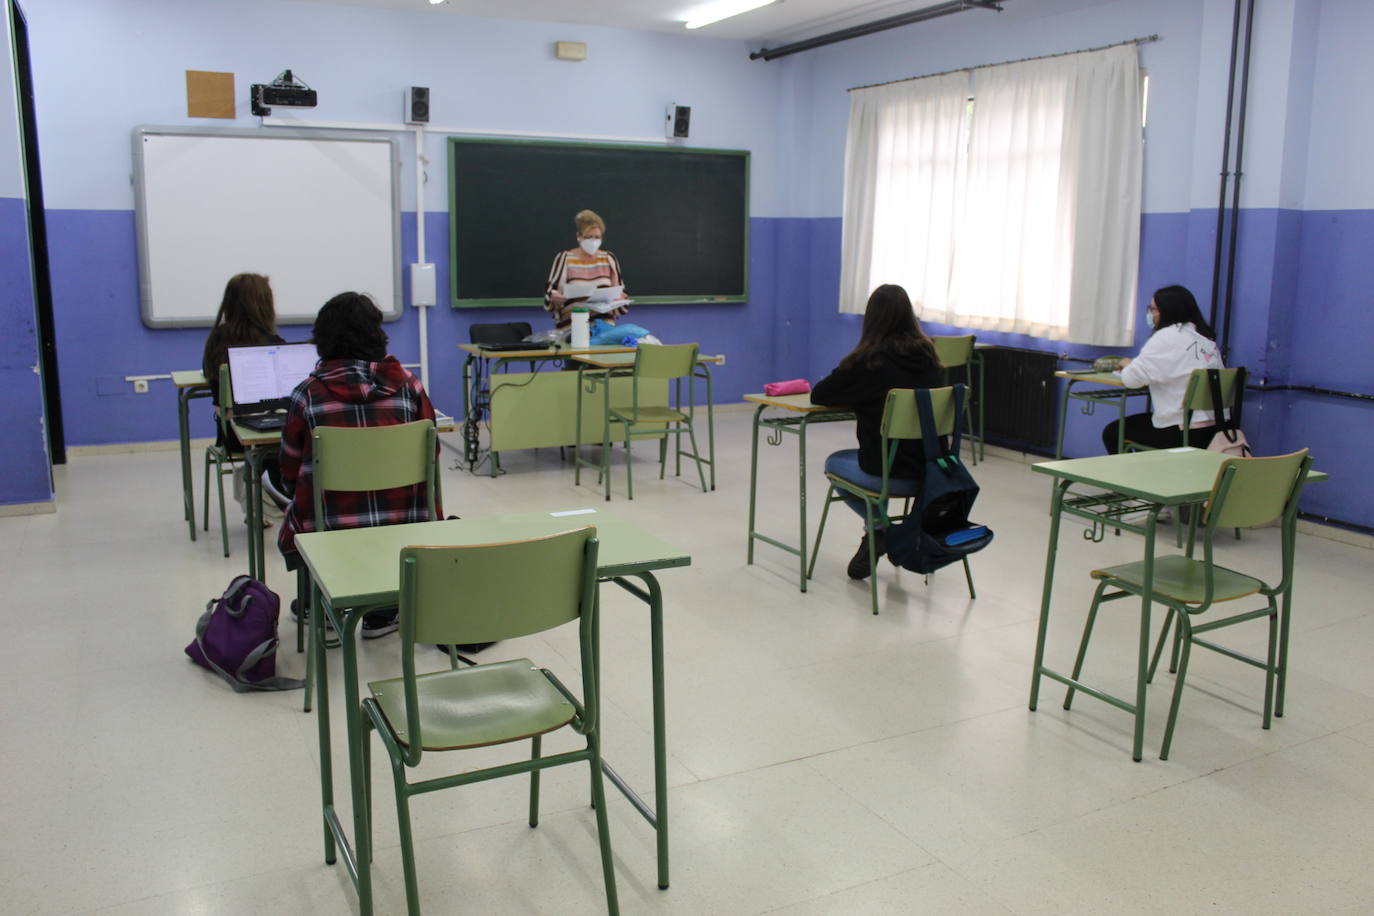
(417, 105)
(678, 121)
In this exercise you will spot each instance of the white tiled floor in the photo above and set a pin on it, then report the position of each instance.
(822, 760)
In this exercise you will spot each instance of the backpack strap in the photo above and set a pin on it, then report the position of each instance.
(935, 451)
(1229, 426)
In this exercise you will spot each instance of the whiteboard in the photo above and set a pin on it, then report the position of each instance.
(317, 212)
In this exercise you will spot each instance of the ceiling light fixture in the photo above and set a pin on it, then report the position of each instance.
(723, 9)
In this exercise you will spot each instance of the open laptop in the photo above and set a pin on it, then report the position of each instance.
(263, 378)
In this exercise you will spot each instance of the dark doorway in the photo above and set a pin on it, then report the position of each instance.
(38, 233)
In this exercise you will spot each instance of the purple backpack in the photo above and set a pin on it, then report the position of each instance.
(236, 637)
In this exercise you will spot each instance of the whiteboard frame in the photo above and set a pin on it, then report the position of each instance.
(266, 133)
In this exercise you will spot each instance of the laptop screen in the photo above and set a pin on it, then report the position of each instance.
(270, 373)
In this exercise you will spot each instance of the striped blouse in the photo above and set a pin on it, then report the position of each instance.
(602, 268)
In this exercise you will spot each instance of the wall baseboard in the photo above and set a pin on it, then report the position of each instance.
(17, 509)
(125, 448)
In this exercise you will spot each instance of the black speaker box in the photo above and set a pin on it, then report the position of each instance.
(682, 118)
(417, 105)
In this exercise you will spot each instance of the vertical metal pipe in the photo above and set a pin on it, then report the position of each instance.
(1235, 185)
(1225, 167)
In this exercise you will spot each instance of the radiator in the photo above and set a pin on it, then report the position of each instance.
(1020, 407)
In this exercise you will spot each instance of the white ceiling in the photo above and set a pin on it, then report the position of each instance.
(788, 20)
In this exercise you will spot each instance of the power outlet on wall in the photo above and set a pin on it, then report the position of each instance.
(140, 386)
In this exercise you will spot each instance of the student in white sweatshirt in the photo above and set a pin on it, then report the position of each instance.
(1181, 342)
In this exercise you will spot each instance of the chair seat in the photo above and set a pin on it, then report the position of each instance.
(896, 486)
(471, 707)
(1183, 579)
(649, 415)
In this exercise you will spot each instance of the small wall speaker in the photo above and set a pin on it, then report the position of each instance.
(417, 105)
(678, 121)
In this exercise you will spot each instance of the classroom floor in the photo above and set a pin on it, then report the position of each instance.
(822, 760)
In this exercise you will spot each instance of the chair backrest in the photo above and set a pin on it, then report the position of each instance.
(364, 459)
(665, 360)
(499, 333)
(901, 420)
(226, 401)
(954, 351)
(1256, 491)
(1199, 393)
(490, 592)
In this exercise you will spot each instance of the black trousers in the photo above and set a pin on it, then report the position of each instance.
(1140, 428)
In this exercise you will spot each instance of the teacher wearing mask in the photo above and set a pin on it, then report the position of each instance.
(587, 263)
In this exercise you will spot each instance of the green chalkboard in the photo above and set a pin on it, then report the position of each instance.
(678, 219)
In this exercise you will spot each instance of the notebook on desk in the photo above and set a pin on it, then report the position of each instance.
(262, 379)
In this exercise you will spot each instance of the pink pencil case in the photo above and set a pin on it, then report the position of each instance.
(794, 386)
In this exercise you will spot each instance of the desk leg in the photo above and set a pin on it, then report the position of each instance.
(982, 413)
(1143, 659)
(362, 831)
(188, 496)
(711, 422)
(577, 434)
(253, 495)
(660, 726)
(1056, 504)
(321, 675)
(1063, 419)
(801, 500)
(470, 419)
(753, 482)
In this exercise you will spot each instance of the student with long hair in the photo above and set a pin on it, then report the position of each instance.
(247, 317)
(1181, 341)
(893, 352)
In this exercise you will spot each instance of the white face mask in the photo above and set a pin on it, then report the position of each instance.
(1152, 320)
(590, 246)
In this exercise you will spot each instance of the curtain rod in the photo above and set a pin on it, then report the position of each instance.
(906, 79)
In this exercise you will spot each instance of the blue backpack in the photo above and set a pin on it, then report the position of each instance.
(937, 531)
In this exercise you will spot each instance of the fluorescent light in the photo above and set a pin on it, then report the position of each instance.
(723, 9)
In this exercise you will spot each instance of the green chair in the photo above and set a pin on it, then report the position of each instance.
(1198, 396)
(481, 593)
(364, 459)
(1247, 492)
(221, 455)
(900, 422)
(652, 361)
(957, 353)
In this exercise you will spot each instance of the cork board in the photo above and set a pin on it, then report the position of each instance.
(209, 94)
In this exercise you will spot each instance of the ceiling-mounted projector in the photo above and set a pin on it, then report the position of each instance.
(285, 90)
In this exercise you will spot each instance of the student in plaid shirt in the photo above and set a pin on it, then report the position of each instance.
(355, 383)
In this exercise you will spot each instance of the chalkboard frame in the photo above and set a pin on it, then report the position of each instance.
(455, 267)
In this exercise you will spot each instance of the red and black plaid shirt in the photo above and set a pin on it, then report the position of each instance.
(348, 392)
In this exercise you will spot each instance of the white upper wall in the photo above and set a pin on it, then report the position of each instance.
(104, 66)
(1342, 116)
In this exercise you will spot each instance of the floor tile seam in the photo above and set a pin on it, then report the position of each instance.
(850, 887)
(878, 814)
(285, 869)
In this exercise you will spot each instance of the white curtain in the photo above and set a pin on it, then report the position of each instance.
(903, 150)
(1044, 204)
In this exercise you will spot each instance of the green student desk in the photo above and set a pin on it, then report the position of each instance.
(1132, 482)
(356, 570)
(1109, 391)
(795, 414)
(613, 369)
(190, 385)
(535, 408)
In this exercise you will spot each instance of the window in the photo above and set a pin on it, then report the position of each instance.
(1017, 210)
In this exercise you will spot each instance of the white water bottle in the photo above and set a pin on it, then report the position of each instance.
(581, 338)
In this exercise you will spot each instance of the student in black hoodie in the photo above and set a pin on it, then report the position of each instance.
(893, 352)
